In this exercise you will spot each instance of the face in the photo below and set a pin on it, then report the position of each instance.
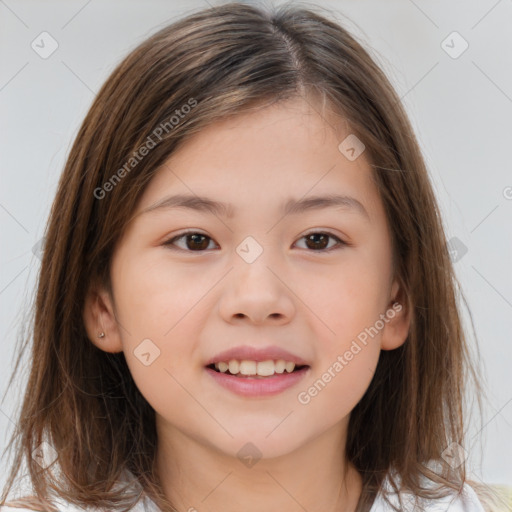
(312, 284)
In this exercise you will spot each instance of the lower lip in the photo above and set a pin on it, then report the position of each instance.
(262, 387)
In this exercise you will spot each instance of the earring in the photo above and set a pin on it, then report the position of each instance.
(101, 335)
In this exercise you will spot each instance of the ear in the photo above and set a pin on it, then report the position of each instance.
(398, 317)
(99, 317)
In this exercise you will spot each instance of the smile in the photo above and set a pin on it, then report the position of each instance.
(252, 384)
(247, 368)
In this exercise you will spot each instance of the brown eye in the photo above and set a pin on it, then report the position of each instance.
(194, 242)
(198, 242)
(319, 241)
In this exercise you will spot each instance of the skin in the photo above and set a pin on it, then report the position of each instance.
(195, 304)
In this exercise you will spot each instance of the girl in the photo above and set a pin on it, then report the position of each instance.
(246, 300)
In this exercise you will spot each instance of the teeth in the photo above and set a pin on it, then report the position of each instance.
(289, 367)
(265, 368)
(248, 367)
(234, 366)
(279, 366)
(261, 369)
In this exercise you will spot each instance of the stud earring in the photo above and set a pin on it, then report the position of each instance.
(101, 335)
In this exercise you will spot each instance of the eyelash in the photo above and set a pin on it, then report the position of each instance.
(169, 243)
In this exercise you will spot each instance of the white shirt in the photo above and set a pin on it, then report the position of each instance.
(466, 502)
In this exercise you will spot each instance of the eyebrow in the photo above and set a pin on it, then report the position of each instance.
(290, 207)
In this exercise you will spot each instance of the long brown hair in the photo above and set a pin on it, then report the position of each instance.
(212, 64)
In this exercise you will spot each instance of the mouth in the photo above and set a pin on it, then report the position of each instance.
(247, 369)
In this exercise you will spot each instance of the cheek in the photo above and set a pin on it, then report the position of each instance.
(347, 345)
(353, 296)
(338, 387)
(153, 295)
(348, 298)
(155, 305)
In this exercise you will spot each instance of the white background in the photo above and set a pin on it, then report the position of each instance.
(461, 109)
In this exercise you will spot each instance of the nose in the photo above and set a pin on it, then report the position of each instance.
(257, 293)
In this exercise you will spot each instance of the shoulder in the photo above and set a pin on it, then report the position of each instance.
(466, 501)
(13, 509)
(145, 505)
(63, 507)
(66, 507)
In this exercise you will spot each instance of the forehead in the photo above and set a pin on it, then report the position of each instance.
(270, 155)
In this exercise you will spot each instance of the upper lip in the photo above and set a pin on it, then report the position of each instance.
(249, 353)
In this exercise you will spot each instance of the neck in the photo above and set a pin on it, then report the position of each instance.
(315, 477)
